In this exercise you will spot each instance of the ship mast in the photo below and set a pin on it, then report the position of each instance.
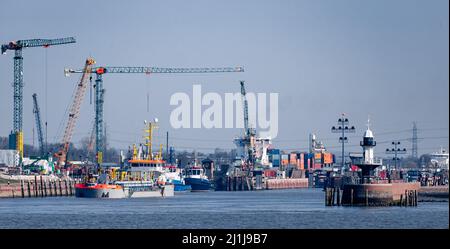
(149, 137)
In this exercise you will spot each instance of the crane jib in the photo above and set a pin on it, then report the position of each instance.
(16, 45)
(148, 70)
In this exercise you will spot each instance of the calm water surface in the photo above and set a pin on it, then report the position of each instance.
(297, 208)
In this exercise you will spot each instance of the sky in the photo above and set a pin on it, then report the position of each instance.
(385, 59)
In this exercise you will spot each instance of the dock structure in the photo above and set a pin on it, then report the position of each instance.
(369, 192)
(392, 194)
(37, 188)
(249, 183)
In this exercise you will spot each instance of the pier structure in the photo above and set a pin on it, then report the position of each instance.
(369, 192)
(368, 162)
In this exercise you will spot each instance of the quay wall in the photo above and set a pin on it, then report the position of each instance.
(37, 188)
(287, 183)
(380, 194)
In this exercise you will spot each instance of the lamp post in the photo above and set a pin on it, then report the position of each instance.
(343, 127)
(396, 151)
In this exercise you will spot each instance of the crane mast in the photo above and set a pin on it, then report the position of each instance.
(249, 133)
(74, 112)
(90, 147)
(37, 115)
(16, 137)
(99, 90)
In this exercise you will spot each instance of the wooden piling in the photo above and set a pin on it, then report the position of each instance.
(328, 196)
(50, 187)
(35, 186)
(329, 199)
(29, 190)
(333, 201)
(70, 187)
(60, 188)
(338, 197)
(367, 197)
(54, 188)
(21, 189)
(411, 194)
(66, 189)
(351, 196)
(415, 198)
(42, 187)
(401, 200)
(407, 198)
(45, 188)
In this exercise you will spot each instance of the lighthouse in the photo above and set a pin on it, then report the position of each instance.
(368, 162)
(368, 144)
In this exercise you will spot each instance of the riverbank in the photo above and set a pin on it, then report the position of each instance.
(433, 194)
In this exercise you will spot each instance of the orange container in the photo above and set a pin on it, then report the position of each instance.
(293, 158)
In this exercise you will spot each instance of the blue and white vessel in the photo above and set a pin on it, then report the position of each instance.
(174, 176)
(195, 176)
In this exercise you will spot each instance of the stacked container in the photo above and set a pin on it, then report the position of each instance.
(318, 160)
(284, 160)
(293, 159)
(274, 157)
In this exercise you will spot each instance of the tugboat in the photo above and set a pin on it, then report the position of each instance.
(175, 176)
(195, 176)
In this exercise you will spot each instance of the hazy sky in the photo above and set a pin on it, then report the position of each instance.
(386, 59)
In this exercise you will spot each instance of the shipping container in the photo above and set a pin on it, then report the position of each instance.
(300, 164)
(270, 173)
(284, 162)
(327, 158)
(301, 161)
(276, 163)
(274, 151)
(308, 163)
(285, 157)
(275, 157)
(318, 158)
(293, 158)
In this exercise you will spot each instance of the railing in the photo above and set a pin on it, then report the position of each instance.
(362, 161)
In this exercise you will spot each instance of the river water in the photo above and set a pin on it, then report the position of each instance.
(295, 208)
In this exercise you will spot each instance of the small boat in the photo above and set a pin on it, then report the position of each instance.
(195, 176)
(174, 175)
